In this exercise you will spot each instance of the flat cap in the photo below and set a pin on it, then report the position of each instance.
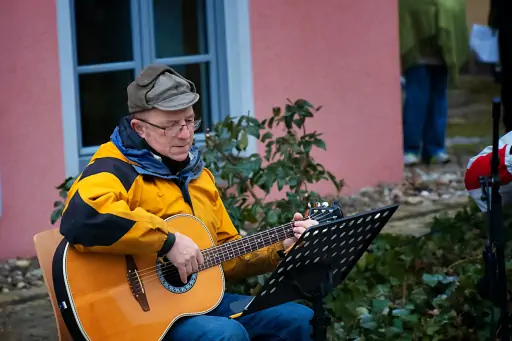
(159, 86)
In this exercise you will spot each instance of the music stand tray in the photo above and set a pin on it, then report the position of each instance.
(319, 261)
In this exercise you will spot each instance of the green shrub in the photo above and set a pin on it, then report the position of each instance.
(246, 180)
(286, 165)
(419, 289)
(58, 206)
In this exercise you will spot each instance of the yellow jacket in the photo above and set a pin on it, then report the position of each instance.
(119, 202)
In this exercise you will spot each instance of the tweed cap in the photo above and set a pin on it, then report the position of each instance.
(159, 86)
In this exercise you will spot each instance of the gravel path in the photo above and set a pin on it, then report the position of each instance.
(30, 321)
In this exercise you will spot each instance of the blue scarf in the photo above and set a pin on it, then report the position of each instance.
(136, 149)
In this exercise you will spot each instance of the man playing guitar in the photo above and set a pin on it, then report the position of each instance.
(150, 170)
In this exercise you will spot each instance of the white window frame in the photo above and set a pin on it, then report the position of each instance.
(239, 71)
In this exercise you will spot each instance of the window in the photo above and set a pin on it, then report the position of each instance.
(114, 40)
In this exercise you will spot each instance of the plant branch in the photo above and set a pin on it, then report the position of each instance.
(404, 291)
(233, 163)
(460, 261)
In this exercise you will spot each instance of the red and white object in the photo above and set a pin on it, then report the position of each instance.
(480, 165)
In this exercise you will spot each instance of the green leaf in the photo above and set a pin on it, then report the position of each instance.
(288, 120)
(394, 281)
(400, 312)
(361, 263)
(307, 146)
(66, 184)
(367, 322)
(276, 111)
(303, 103)
(292, 182)
(334, 181)
(253, 131)
(411, 318)
(378, 305)
(432, 329)
(272, 218)
(243, 142)
(430, 280)
(397, 326)
(56, 214)
(361, 311)
(298, 123)
(268, 135)
(271, 122)
(320, 144)
(280, 183)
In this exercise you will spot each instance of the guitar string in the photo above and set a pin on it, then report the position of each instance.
(143, 271)
(168, 272)
(219, 249)
(174, 273)
(173, 270)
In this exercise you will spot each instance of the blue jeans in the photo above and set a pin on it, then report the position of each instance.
(287, 322)
(425, 110)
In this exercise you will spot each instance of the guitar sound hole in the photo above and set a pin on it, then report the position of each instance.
(175, 281)
(170, 278)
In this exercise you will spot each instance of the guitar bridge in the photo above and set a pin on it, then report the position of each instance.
(135, 282)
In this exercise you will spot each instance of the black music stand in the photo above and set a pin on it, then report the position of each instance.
(319, 261)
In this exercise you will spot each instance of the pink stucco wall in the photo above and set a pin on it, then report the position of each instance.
(31, 143)
(341, 54)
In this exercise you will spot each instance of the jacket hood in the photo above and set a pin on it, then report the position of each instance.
(136, 149)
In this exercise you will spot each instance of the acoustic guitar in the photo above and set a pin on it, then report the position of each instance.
(106, 297)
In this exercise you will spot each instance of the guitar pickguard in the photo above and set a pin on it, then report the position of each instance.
(168, 276)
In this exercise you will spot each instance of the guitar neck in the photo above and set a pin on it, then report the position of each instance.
(224, 252)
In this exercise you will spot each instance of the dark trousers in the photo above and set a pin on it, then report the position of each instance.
(289, 321)
(425, 110)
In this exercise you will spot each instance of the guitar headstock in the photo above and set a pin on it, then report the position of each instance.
(324, 212)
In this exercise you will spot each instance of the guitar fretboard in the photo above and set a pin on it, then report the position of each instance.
(221, 253)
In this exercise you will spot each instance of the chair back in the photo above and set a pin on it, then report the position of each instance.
(46, 243)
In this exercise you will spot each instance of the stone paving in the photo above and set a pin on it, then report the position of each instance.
(27, 320)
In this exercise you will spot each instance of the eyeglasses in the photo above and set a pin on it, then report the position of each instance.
(175, 129)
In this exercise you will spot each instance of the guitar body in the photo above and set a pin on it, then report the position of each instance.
(101, 298)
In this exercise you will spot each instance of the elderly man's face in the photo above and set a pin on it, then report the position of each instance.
(170, 133)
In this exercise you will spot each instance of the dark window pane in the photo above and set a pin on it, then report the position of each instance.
(102, 103)
(179, 27)
(103, 31)
(198, 74)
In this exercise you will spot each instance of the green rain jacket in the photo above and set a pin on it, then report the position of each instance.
(434, 29)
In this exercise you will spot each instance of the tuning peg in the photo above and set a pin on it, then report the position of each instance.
(317, 204)
(325, 204)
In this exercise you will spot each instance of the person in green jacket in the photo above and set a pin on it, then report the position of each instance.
(434, 45)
